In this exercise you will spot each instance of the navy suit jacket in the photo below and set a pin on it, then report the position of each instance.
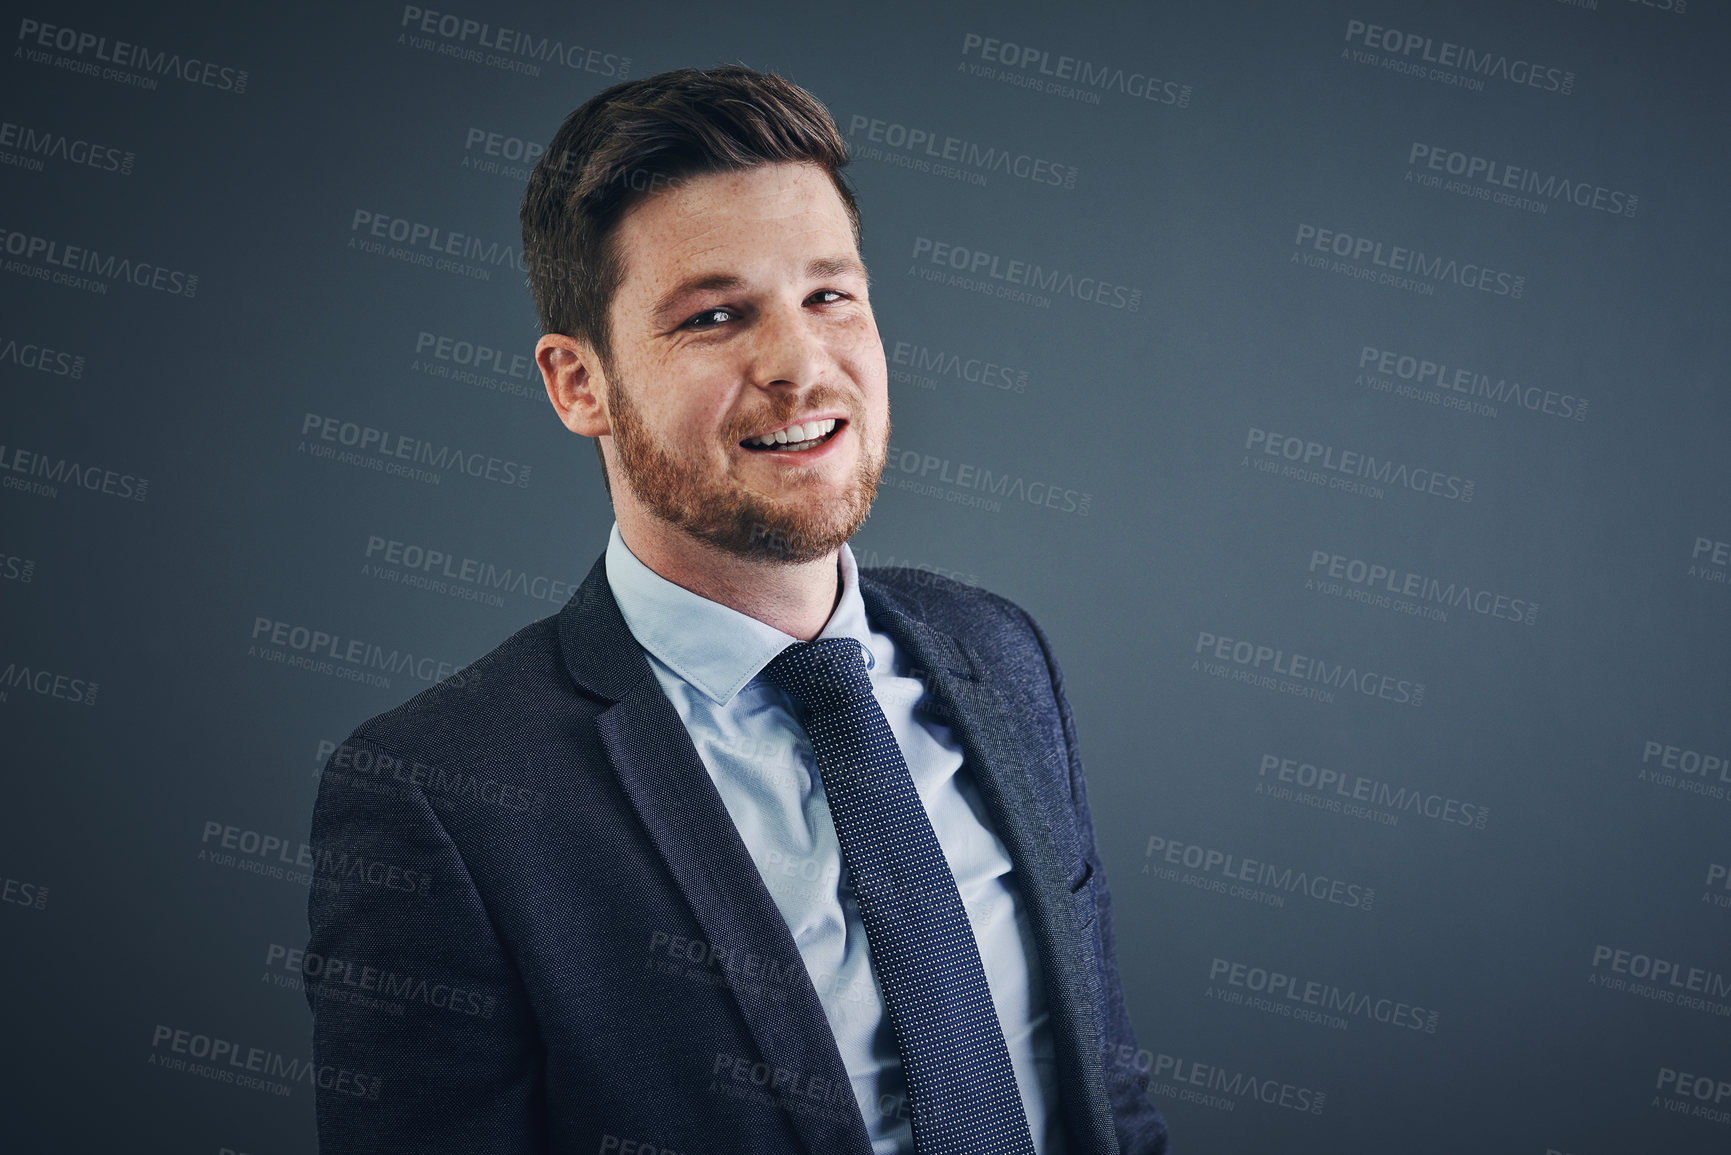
(535, 927)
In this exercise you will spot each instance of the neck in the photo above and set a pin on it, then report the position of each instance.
(795, 599)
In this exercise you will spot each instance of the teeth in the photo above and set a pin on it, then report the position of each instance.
(793, 434)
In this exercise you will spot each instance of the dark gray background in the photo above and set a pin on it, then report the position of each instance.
(114, 925)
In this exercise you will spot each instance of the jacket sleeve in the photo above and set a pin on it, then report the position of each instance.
(408, 982)
(1141, 1128)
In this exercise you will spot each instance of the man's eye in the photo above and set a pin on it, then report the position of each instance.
(708, 318)
(833, 295)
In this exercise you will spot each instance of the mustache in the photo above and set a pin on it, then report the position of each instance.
(785, 407)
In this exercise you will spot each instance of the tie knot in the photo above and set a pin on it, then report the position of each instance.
(812, 672)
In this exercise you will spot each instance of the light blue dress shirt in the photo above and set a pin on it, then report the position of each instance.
(707, 657)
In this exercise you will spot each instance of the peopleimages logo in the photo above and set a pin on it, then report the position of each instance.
(360, 442)
(452, 574)
(1018, 279)
(922, 365)
(32, 471)
(82, 267)
(23, 569)
(1392, 587)
(1427, 58)
(1219, 870)
(922, 572)
(1350, 469)
(268, 855)
(364, 985)
(476, 363)
(928, 150)
(1661, 980)
(1288, 994)
(432, 246)
(478, 42)
(1513, 185)
(1399, 266)
(1674, 7)
(1681, 768)
(1027, 66)
(258, 1068)
(328, 652)
(1215, 1087)
(1454, 387)
(1273, 668)
(34, 145)
(1701, 1096)
(16, 677)
(924, 470)
(17, 892)
(1337, 790)
(1716, 552)
(139, 65)
(1718, 878)
(445, 788)
(1179, 1078)
(496, 152)
(1710, 560)
(41, 358)
(475, 355)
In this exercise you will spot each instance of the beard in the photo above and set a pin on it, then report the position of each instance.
(716, 508)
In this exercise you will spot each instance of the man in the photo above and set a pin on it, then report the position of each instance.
(746, 849)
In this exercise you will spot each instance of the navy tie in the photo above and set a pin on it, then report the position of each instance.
(961, 1087)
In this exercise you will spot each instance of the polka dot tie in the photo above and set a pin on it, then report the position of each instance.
(961, 1088)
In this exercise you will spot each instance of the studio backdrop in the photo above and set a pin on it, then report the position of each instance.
(1340, 384)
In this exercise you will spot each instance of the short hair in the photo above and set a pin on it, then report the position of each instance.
(634, 139)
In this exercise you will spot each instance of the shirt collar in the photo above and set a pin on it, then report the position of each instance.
(714, 647)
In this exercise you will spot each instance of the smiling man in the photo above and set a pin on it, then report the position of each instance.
(747, 849)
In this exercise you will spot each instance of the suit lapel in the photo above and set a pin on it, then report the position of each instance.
(689, 826)
(695, 836)
(994, 748)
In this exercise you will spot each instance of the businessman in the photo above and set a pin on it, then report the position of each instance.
(746, 849)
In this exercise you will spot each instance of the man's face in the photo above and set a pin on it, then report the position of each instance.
(743, 310)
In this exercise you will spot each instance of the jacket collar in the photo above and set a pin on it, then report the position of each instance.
(713, 647)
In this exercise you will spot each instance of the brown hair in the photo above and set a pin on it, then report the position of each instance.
(632, 140)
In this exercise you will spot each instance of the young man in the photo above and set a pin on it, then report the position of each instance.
(746, 849)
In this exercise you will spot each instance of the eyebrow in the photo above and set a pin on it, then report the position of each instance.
(817, 269)
(823, 267)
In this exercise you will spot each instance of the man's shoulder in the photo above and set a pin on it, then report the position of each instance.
(993, 626)
(495, 698)
(934, 597)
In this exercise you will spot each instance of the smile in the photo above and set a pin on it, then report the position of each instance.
(795, 438)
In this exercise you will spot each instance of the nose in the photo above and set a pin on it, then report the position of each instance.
(787, 350)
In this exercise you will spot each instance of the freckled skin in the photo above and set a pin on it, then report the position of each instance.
(685, 385)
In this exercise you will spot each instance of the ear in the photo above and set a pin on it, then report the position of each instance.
(575, 384)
